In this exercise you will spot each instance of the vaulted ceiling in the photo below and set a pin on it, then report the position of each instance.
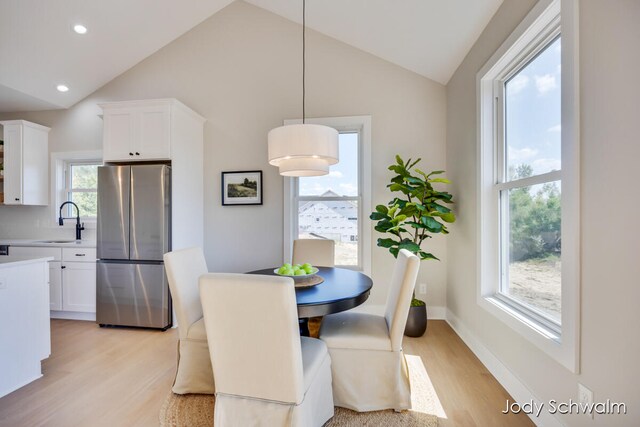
(39, 49)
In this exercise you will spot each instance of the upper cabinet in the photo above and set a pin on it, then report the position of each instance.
(26, 167)
(142, 130)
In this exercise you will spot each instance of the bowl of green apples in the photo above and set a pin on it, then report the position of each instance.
(297, 271)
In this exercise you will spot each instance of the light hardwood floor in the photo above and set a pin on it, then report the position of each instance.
(120, 377)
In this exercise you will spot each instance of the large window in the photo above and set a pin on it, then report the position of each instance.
(529, 182)
(328, 206)
(529, 210)
(333, 206)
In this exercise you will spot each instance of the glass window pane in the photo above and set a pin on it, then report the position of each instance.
(336, 220)
(84, 176)
(534, 267)
(343, 177)
(87, 203)
(532, 116)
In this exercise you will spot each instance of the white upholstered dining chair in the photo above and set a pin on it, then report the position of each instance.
(368, 365)
(266, 374)
(184, 268)
(317, 252)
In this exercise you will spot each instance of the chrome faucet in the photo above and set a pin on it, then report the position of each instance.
(79, 227)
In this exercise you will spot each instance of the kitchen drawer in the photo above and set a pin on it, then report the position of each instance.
(36, 252)
(79, 254)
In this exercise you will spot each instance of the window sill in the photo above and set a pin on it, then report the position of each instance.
(518, 315)
(545, 339)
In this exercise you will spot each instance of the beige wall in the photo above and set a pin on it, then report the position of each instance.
(241, 70)
(610, 349)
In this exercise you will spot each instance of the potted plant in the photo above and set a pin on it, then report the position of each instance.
(416, 212)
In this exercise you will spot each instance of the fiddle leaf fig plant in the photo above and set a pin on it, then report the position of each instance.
(416, 212)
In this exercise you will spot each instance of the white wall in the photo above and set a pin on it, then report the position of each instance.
(610, 349)
(241, 70)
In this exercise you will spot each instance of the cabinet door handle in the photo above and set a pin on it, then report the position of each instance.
(137, 154)
(64, 266)
(131, 154)
(80, 254)
(17, 200)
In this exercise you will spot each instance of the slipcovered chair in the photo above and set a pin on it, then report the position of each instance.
(368, 365)
(194, 374)
(266, 374)
(317, 252)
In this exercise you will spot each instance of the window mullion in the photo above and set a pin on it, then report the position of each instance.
(531, 180)
(328, 199)
(83, 190)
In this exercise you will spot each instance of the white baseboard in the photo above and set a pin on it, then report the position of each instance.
(73, 315)
(516, 388)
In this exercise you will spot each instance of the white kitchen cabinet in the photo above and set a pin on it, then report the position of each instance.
(79, 279)
(25, 332)
(26, 165)
(138, 130)
(79, 286)
(72, 279)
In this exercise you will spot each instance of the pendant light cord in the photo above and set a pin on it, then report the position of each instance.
(304, 26)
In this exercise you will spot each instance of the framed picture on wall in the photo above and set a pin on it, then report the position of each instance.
(241, 188)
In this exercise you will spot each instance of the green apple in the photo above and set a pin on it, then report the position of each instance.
(308, 270)
(307, 265)
(299, 272)
(282, 270)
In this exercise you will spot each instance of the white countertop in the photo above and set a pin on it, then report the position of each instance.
(4, 263)
(56, 243)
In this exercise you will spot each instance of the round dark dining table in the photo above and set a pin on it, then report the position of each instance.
(342, 289)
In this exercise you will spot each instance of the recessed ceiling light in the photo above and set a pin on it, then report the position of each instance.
(80, 29)
(62, 88)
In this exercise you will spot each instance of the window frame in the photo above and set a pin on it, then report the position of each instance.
(60, 177)
(538, 45)
(352, 124)
(537, 30)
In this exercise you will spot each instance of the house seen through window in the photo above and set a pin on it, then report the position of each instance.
(329, 206)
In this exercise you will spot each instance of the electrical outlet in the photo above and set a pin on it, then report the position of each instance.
(585, 396)
(423, 288)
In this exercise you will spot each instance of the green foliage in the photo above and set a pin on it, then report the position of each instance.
(416, 212)
(415, 302)
(84, 177)
(534, 220)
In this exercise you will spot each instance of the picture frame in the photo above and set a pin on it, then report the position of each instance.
(241, 188)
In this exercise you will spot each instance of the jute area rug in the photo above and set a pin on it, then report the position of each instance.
(196, 410)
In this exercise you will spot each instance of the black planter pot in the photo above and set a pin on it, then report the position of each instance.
(416, 322)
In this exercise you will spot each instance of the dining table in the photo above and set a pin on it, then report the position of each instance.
(342, 289)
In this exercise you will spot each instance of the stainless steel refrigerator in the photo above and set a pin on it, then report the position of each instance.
(134, 232)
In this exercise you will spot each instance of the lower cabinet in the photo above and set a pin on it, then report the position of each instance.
(79, 286)
(72, 277)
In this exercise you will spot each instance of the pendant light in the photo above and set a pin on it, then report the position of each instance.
(303, 149)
